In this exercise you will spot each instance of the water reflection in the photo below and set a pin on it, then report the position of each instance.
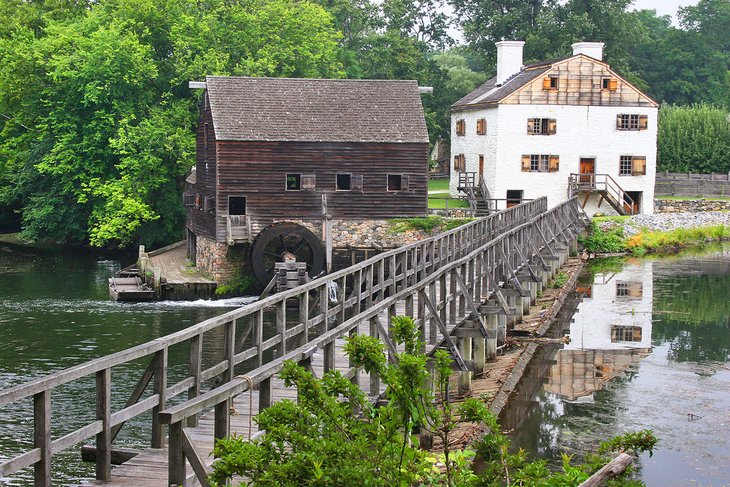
(650, 342)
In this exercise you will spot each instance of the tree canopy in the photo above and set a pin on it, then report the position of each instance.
(97, 123)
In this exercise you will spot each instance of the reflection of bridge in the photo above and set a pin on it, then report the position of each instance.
(460, 287)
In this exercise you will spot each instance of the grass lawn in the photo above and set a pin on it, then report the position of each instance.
(619, 219)
(438, 184)
(441, 203)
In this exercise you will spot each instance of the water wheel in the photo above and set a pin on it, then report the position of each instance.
(274, 241)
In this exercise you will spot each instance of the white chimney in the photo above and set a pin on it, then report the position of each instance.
(509, 59)
(592, 49)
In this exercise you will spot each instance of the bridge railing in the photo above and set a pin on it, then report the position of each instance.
(246, 339)
(460, 284)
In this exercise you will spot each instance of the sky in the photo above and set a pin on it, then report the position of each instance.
(663, 7)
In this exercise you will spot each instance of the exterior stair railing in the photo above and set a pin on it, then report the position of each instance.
(607, 187)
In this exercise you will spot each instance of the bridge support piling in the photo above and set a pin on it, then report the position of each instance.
(465, 376)
(514, 299)
(573, 247)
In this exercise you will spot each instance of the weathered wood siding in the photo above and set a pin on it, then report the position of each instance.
(257, 170)
(202, 222)
(579, 83)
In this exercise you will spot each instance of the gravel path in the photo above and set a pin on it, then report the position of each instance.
(670, 221)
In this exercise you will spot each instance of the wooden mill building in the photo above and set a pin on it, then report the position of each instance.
(284, 165)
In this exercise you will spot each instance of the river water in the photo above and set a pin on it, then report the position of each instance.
(650, 342)
(649, 349)
(55, 312)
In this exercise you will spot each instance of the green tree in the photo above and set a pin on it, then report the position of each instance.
(693, 139)
(96, 119)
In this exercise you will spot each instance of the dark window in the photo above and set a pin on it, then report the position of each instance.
(293, 182)
(344, 182)
(395, 182)
(205, 145)
(236, 205)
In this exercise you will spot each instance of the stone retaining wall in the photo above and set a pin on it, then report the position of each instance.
(376, 234)
(689, 206)
(220, 261)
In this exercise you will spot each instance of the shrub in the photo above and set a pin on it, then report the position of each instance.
(609, 241)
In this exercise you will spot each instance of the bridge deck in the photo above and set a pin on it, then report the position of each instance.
(149, 468)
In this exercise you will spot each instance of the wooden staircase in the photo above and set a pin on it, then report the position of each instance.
(475, 191)
(608, 189)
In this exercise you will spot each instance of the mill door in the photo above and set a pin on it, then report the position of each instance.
(587, 172)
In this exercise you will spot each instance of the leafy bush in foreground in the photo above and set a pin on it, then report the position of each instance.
(334, 436)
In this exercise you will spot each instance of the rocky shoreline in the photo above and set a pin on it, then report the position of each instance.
(666, 222)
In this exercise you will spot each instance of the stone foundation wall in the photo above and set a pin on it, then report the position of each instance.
(220, 261)
(689, 206)
(376, 234)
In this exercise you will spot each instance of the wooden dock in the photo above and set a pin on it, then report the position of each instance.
(463, 288)
(174, 278)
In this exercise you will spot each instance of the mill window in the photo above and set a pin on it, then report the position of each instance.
(293, 182)
(398, 182)
(344, 182)
(236, 205)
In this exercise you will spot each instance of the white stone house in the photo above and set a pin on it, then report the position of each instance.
(558, 128)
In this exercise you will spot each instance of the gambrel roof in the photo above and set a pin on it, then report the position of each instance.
(490, 93)
(316, 110)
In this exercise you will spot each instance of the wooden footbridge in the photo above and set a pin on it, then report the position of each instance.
(463, 288)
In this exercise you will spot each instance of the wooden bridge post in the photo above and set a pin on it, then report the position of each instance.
(42, 438)
(194, 370)
(176, 469)
(160, 387)
(573, 247)
(103, 412)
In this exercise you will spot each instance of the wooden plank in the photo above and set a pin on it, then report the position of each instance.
(42, 438)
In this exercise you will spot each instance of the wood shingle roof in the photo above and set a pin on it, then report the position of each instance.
(316, 110)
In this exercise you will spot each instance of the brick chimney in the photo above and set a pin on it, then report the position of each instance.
(509, 59)
(592, 49)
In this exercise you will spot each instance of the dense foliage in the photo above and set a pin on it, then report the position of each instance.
(97, 123)
(333, 435)
(693, 139)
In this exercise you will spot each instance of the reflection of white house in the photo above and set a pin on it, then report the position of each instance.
(611, 331)
(618, 313)
(568, 126)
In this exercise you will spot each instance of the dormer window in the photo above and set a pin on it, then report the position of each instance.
(550, 83)
(609, 84)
